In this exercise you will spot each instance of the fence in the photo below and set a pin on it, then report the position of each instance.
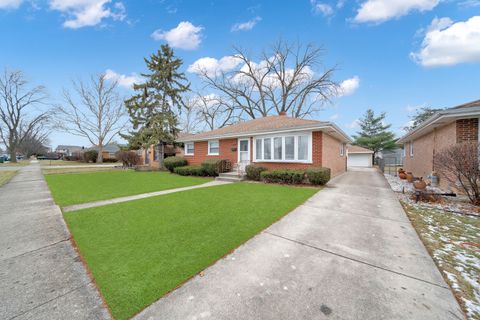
(390, 165)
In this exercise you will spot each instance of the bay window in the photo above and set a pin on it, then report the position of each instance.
(289, 148)
(213, 147)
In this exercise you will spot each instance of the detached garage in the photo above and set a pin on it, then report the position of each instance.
(359, 157)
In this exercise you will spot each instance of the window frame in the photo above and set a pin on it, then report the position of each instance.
(186, 148)
(342, 149)
(295, 135)
(213, 153)
(410, 146)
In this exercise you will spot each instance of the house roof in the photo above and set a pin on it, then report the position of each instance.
(358, 149)
(61, 146)
(111, 147)
(443, 117)
(266, 125)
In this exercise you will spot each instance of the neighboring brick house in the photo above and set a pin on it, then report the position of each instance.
(273, 142)
(443, 129)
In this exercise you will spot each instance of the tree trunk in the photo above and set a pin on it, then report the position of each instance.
(13, 155)
(100, 154)
(161, 155)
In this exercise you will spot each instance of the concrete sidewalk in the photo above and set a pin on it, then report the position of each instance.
(41, 275)
(94, 204)
(348, 253)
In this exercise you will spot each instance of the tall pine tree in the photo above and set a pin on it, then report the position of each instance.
(153, 109)
(374, 134)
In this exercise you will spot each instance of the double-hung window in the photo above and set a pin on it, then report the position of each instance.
(189, 149)
(288, 148)
(213, 148)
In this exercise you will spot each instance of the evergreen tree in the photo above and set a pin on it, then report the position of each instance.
(374, 134)
(153, 109)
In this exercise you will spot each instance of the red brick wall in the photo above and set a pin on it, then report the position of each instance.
(201, 152)
(316, 156)
(467, 130)
(331, 155)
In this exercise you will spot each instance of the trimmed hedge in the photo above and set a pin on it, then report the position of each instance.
(90, 156)
(213, 167)
(318, 176)
(173, 162)
(253, 172)
(197, 171)
(287, 176)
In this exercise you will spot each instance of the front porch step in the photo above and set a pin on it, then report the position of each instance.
(230, 176)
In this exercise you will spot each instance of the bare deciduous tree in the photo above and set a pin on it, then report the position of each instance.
(459, 164)
(34, 145)
(289, 78)
(20, 112)
(95, 113)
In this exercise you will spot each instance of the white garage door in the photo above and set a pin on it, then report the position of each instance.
(359, 160)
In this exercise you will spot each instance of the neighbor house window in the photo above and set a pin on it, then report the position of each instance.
(213, 147)
(292, 148)
(411, 148)
(189, 148)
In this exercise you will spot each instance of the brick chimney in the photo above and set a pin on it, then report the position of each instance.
(282, 113)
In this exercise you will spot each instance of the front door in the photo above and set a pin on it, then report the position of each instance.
(243, 154)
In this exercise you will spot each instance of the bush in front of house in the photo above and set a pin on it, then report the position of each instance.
(197, 171)
(213, 167)
(318, 175)
(287, 176)
(90, 156)
(173, 162)
(128, 158)
(254, 171)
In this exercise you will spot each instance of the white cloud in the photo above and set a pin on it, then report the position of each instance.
(447, 43)
(212, 66)
(322, 8)
(470, 3)
(10, 4)
(245, 26)
(349, 86)
(382, 10)
(87, 13)
(354, 124)
(184, 36)
(123, 80)
(334, 116)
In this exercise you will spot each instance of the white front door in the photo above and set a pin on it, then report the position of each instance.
(243, 154)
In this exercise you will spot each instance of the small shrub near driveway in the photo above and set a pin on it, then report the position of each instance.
(318, 176)
(173, 162)
(253, 172)
(90, 156)
(213, 167)
(196, 171)
(286, 176)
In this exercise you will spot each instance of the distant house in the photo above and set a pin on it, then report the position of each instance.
(273, 142)
(67, 151)
(108, 151)
(442, 130)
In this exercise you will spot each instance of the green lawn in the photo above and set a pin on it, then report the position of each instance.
(5, 176)
(138, 251)
(74, 188)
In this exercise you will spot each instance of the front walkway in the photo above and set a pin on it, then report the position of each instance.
(41, 275)
(139, 196)
(348, 253)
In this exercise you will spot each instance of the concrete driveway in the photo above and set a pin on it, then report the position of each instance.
(348, 253)
(41, 275)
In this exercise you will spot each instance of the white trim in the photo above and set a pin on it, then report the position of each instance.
(186, 149)
(294, 134)
(238, 148)
(216, 153)
(410, 147)
(342, 149)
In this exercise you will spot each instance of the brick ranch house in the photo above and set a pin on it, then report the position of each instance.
(443, 129)
(274, 142)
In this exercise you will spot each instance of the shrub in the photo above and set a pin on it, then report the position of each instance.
(90, 156)
(253, 172)
(128, 158)
(190, 171)
(318, 176)
(213, 167)
(174, 162)
(287, 176)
